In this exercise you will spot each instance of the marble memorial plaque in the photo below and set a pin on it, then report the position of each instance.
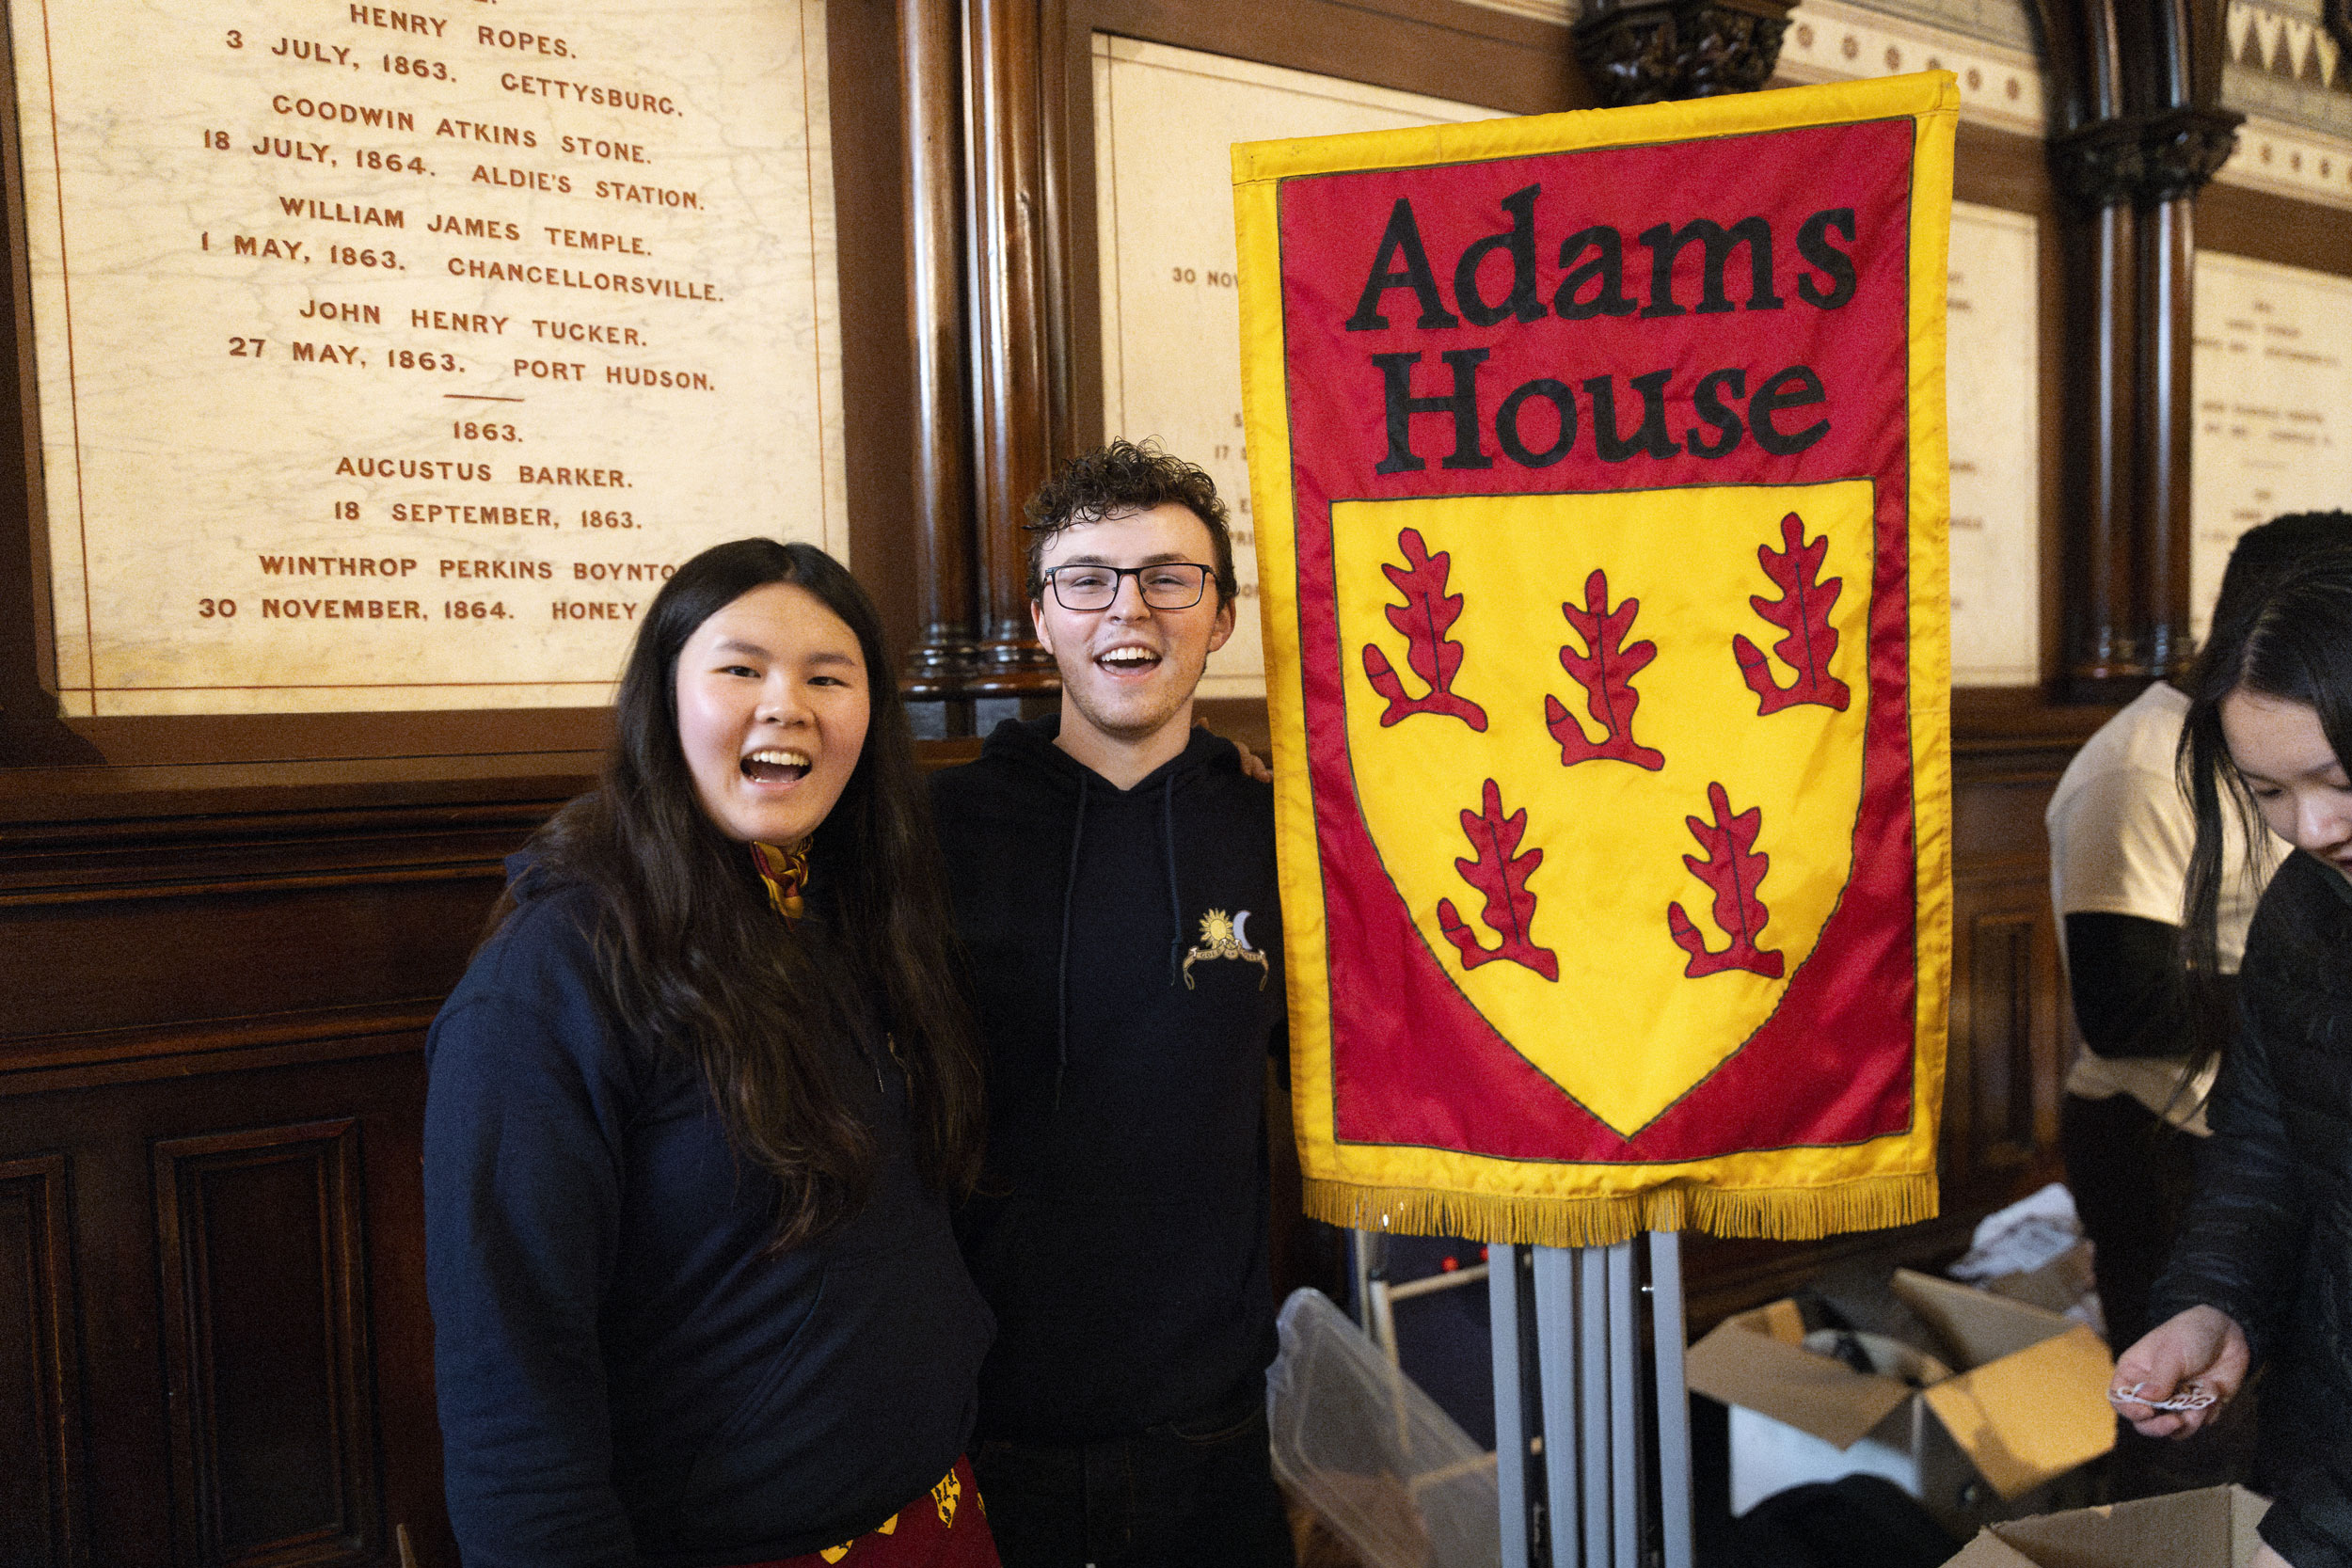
(389, 359)
(2269, 370)
(1991, 354)
(1164, 119)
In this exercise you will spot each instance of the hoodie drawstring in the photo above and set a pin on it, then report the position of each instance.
(1175, 905)
(1061, 973)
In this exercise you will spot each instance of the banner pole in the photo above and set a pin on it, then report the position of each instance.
(1674, 1399)
(1592, 1333)
(1625, 1400)
(1502, 1296)
(1556, 1333)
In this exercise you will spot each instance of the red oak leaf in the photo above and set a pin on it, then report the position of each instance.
(1426, 616)
(1606, 673)
(1734, 871)
(1803, 612)
(1502, 875)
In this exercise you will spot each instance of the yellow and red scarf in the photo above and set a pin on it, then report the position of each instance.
(785, 872)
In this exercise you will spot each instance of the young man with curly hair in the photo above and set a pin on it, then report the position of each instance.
(1113, 875)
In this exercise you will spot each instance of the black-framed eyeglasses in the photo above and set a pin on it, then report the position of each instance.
(1165, 585)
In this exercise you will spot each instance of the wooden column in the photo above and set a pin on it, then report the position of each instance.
(943, 657)
(2137, 86)
(1015, 322)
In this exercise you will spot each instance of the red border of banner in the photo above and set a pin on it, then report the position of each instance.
(1412, 1062)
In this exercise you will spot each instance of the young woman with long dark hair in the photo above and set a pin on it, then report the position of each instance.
(2263, 1272)
(697, 1114)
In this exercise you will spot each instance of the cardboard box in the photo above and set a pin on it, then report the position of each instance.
(2212, 1528)
(2027, 1404)
(2064, 1284)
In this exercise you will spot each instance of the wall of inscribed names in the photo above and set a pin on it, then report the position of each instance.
(1165, 120)
(2268, 367)
(390, 357)
(1993, 355)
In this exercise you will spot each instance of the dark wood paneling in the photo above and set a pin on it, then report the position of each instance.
(2010, 1034)
(2269, 228)
(260, 953)
(255, 1340)
(42, 1506)
(1512, 64)
(2003, 1065)
(208, 1262)
(175, 922)
(266, 1346)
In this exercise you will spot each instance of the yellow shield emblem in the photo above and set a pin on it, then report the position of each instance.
(1609, 747)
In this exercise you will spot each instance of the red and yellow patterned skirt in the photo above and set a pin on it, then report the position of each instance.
(946, 1528)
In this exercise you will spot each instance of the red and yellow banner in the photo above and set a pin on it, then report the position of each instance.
(1598, 474)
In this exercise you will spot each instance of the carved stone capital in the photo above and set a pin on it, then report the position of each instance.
(2143, 162)
(1655, 51)
(2099, 165)
(2183, 149)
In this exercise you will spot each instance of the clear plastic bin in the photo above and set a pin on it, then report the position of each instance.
(1354, 1440)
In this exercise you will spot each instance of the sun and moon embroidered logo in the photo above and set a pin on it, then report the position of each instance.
(1226, 936)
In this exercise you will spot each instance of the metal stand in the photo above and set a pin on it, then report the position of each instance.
(1567, 1332)
(1569, 1402)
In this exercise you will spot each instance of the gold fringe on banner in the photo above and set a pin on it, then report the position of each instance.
(1774, 1213)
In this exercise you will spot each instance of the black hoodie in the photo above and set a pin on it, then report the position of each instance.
(1125, 949)
(628, 1376)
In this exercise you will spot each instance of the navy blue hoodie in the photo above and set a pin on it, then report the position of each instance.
(1121, 1230)
(625, 1373)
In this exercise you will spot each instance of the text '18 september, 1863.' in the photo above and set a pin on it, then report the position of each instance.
(391, 357)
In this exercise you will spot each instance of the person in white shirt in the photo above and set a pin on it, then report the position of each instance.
(2121, 834)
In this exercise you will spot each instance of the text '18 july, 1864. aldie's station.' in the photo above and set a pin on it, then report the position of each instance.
(391, 357)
